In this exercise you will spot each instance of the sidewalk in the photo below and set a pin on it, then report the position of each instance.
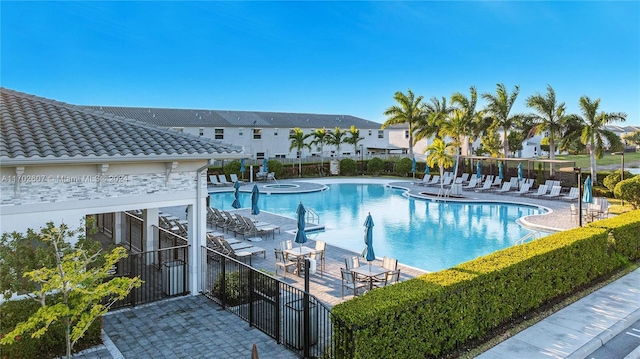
(579, 329)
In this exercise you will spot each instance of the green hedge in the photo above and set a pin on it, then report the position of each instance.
(432, 314)
(626, 232)
(51, 344)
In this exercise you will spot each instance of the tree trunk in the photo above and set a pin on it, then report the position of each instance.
(505, 144)
(592, 156)
(552, 152)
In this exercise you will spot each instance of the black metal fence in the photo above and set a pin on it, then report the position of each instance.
(291, 316)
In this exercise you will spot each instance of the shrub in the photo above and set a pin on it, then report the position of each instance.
(232, 167)
(375, 166)
(403, 167)
(348, 167)
(612, 180)
(629, 190)
(276, 167)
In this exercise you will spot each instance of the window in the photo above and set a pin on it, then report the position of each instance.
(219, 134)
(380, 134)
(406, 133)
(240, 131)
(201, 131)
(370, 132)
(179, 129)
(260, 155)
(291, 132)
(281, 156)
(257, 133)
(275, 132)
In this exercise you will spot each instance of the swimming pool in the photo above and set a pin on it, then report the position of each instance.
(429, 235)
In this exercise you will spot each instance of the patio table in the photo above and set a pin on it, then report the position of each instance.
(369, 272)
(299, 253)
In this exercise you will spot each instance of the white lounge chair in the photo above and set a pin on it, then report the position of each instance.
(555, 192)
(542, 190)
(524, 190)
(423, 181)
(214, 180)
(234, 178)
(574, 193)
(486, 186)
(463, 178)
(473, 182)
(434, 180)
(223, 179)
(506, 187)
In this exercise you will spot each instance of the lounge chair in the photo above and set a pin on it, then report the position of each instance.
(214, 180)
(423, 181)
(283, 262)
(463, 178)
(574, 193)
(506, 187)
(214, 217)
(244, 252)
(514, 182)
(555, 192)
(234, 178)
(251, 228)
(349, 282)
(473, 182)
(542, 190)
(497, 182)
(524, 190)
(435, 179)
(219, 242)
(486, 187)
(223, 179)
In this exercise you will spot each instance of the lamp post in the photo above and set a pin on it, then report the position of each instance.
(579, 171)
(621, 170)
(362, 158)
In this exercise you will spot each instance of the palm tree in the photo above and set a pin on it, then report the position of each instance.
(297, 141)
(550, 117)
(594, 133)
(498, 108)
(456, 127)
(320, 139)
(433, 114)
(440, 153)
(336, 138)
(407, 111)
(473, 118)
(353, 139)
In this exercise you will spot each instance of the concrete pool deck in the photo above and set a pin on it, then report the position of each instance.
(574, 331)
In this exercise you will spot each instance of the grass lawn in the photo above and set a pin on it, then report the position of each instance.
(608, 159)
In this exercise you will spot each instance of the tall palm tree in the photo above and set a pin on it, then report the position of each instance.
(320, 139)
(473, 118)
(353, 139)
(297, 139)
(550, 116)
(441, 154)
(433, 114)
(407, 111)
(456, 127)
(498, 108)
(594, 133)
(335, 138)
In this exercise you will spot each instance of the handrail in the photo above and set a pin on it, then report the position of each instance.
(312, 216)
(533, 235)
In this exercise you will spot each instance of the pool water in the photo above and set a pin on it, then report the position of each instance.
(429, 235)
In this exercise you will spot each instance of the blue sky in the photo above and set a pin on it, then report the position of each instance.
(319, 57)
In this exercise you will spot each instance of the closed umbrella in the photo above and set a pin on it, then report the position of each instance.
(587, 197)
(426, 168)
(368, 241)
(519, 173)
(301, 236)
(255, 193)
(265, 165)
(242, 167)
(236, 194)
(413, 167)
(479, 169)
(500, 170)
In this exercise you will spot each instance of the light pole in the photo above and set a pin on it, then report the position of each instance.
(621, 170)
(579, 170)
(362, 158)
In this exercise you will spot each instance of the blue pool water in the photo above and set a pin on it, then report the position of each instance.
(429, 235)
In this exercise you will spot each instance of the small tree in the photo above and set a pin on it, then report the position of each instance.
(612, 180)
(440, 154)
(375, 166)
(629, 191)
(79, 276)
(298, 138)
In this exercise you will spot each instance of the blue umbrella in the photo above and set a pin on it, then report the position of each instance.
(368, 240)
(301, 236)
(479, 170)
(236, 194)
(500, 170)
(255, 193)
(265, 165)
(426, 168)
(588, 196)
(520, 171)
(242, 166)
(413, 165)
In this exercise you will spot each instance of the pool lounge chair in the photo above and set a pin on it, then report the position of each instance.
(542, 190)
(251, 228)
(473, 182)
(574, 193)
(214, 181)
(223, 179)
(234, 178)
(463, 178)
(506, 187)
(514, 182)
(486, 187)
(555, 193)
(524, 190)
(434, 180)
(244, 252)
(497, 182)
(423, 181)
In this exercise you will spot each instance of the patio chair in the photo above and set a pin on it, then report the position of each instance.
(542, 190)
(486, 187)
(574, 193)
(320, 249)
(473, 182)
(393, 277)
(389, 263)
(349, 282)
(506, 187)
(288, 244)
(574, 213)
(283, 262)
(555, 193)
(214, 180)
(234, 178)
(352, 262)
(223, 179)
(318, 256)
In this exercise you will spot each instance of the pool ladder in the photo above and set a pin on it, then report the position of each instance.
(312, 216)
(531, 235)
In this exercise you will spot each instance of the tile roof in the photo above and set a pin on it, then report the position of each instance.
(38, 130)
(172, 117)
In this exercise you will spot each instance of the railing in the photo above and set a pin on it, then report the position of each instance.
(132, 234)
(291, 316)
(529, 236)
(312, 216)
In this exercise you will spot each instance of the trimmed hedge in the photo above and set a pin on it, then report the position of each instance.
(626, 231)
(433, 314)
(51, 345)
